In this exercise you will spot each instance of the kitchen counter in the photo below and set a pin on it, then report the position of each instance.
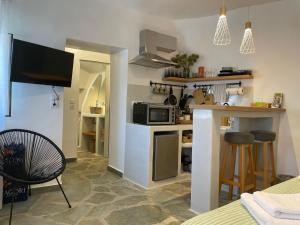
(236, 108)
(172, 127)
(206, 145)
(139, 147)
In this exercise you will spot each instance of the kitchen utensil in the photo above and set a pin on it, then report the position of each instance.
(209, 99)
(166, 102)
(96, 110)
(199, 96)
(171, 100)
(187, 117)
(181, 93)
(160, 90)
(182, 100)
(235, 91)
(154, 90)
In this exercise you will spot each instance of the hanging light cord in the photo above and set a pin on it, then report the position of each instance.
(248, 13)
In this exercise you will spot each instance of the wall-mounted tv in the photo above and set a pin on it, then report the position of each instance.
(32, 63)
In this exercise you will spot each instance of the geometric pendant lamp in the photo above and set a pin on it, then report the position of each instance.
(222, 34)
(247, 46)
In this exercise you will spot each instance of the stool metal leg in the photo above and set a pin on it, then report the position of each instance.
(266, 166)
(12, 204)
(63, 193)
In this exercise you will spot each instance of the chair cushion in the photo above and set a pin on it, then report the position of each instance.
(263, 135)
(239, 138)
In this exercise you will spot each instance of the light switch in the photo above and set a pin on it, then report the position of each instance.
(72, 104)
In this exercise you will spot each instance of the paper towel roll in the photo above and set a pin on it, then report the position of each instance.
(235, 91)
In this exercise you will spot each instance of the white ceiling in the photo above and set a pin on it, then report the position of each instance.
(179, 9)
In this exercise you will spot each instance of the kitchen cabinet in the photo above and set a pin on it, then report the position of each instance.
(139, 153)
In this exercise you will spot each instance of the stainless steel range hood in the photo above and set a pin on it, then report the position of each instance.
(150, 43)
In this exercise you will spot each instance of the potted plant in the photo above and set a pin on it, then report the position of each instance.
(184, 62)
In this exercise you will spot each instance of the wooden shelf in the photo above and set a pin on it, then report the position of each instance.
(187, 145)
(89, 133)
(184, 122)
(196, 79)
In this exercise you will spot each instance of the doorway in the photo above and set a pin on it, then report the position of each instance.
(91, 106)
(86, 104)
(116, 79)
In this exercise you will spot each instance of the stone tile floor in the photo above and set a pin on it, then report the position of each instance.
(99, 197)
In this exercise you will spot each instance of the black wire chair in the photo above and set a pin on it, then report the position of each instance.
(43, 160)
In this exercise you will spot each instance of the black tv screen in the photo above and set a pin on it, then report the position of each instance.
(32, 63)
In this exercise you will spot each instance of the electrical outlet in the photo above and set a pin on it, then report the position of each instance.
(54, 101)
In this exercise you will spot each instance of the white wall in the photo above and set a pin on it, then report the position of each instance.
(276, 29)
(51, 23)
(4, 62)
(93, 97)
(118, 102)
(31, 110)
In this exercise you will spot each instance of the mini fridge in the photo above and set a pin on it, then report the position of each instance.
(165, 156)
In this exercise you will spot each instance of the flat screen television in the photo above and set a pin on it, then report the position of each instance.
(32, 63)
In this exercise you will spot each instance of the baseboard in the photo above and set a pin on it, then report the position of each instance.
(69, 160)
(45, 189)
(139, 185)
(115, 171)
(193, 211)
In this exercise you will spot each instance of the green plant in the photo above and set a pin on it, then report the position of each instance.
(185, 61)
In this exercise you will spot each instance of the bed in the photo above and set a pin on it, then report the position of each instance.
(235, 213)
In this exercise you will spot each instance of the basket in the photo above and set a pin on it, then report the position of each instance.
(96, 110)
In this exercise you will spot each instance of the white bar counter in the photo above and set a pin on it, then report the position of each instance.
(206, 146)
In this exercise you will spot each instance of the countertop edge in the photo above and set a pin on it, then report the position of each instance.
(237, 108)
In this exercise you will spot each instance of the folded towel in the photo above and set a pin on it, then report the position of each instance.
(260, 215)
(284, 206)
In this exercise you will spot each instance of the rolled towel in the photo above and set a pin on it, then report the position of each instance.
(260, 215)
(235, 91)
(284, 206)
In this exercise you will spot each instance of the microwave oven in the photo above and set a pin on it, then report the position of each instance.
(153, 114)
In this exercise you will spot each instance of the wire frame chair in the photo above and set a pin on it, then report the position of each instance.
(43, 160)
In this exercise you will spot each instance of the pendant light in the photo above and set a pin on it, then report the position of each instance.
(222, 35)
(247, 46)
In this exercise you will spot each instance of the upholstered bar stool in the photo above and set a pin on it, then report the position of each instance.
(238, 141)
(266, 139)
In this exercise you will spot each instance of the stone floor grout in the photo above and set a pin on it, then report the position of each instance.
(117, 201)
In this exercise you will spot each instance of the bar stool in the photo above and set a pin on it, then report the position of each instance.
(266, 139)
(238, 141)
